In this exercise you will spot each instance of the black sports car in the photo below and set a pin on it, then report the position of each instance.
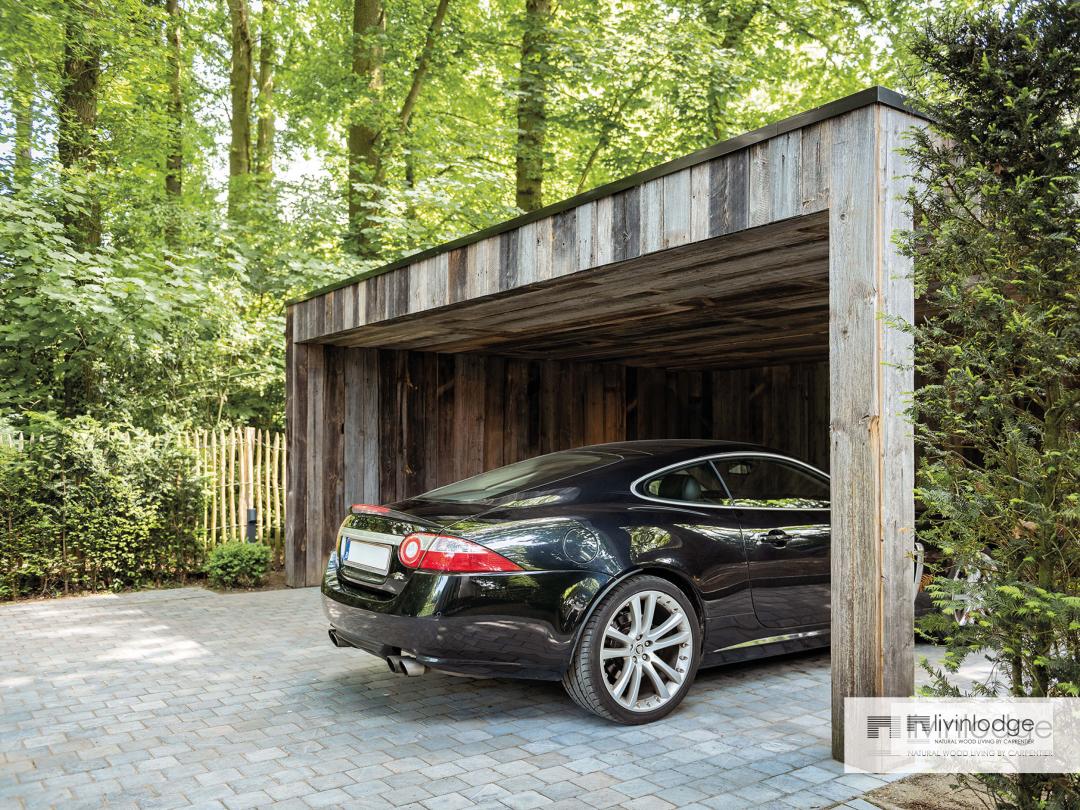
(618, 569)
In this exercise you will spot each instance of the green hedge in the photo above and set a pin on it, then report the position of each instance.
(90, 507)
(238, 565)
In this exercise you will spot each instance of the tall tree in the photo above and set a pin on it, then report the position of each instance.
(264, 128)
(377, 132)
(174, 157)
(22, 105)
(76, 137)
(532, 106)
(365, 165)
(240, 104)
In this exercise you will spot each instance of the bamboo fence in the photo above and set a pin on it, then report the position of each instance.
(245, 468)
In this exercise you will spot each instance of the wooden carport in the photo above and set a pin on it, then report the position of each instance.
(741, 292)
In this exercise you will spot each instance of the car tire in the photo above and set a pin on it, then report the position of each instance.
(598, 669)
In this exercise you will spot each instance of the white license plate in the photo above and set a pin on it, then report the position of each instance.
(368, 556)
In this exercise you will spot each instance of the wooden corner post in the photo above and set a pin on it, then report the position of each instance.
(870, 377)
(314, 418)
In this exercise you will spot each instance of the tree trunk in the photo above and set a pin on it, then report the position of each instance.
(77, 118)
(240, 96)
(22, 104)
(531, 106)
(423, 63)
(734, 24)
(174, 158)
(264, 130)
(365, 166)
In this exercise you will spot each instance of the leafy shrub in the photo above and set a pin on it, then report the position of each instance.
(995, 251)
(90, 507)
(238, 565)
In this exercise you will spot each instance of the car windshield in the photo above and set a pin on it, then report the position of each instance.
(520, 476)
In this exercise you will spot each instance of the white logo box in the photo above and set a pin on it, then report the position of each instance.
(962, 735)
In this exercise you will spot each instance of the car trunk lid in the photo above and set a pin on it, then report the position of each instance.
(368, 540)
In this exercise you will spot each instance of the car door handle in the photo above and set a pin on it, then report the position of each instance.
(776, 537)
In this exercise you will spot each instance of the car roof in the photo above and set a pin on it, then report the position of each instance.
(665, 447)
(661, 452)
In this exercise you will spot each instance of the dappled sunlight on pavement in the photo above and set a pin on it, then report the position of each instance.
(181, 697)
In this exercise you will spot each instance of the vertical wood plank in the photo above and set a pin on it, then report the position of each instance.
(626, 224)
(897, 456)
(440, 282)
(296, 441)
(446, 370)
(509, 256)
(457, 275)
(328, 463)
(543, 250)
(603, 232)
(549, 382)
(494, 426)
(699, 202)
(728, 193)
(564, 259)
(489, 266)
(872, 456)
(774, 178)
(677, 200)
(526, 256)
(516, 411)
(814, 168)
(614, 402)
(474, 268)
(585, 223)
(593, 375)
(651, 215)
(413, 429)
(469, 416)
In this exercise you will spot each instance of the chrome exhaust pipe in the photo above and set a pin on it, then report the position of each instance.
(412, 667)
(402, 665)
(337, 640)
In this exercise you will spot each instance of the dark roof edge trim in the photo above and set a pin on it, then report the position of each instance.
(864, 98)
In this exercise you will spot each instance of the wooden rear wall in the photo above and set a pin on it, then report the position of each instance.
(377, 425)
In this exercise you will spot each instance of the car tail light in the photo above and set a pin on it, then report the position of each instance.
(411, 550)
(454, 555)
(369, 509)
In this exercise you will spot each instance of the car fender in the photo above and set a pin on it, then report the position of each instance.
(665, 572)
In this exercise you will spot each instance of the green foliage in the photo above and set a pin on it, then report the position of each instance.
(997, 262)
(238, 565)
(179, 315)
(84, 506)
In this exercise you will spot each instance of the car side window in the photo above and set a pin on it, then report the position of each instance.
(757, 482)
(696, 483)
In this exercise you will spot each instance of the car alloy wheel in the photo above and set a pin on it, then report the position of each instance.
(638, 652)
(646, 651)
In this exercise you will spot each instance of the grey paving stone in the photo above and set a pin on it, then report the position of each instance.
(192, 698)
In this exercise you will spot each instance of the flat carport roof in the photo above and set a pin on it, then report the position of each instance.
(772, 247)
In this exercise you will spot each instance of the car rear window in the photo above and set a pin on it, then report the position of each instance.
(521, 476)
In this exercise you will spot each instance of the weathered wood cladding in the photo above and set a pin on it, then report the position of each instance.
(780, 178)
(751, 297)
(873, 514)
(383, 425)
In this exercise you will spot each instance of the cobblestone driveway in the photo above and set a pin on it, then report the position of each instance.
(188, 697)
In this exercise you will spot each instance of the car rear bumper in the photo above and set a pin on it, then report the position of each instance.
(520, 625)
